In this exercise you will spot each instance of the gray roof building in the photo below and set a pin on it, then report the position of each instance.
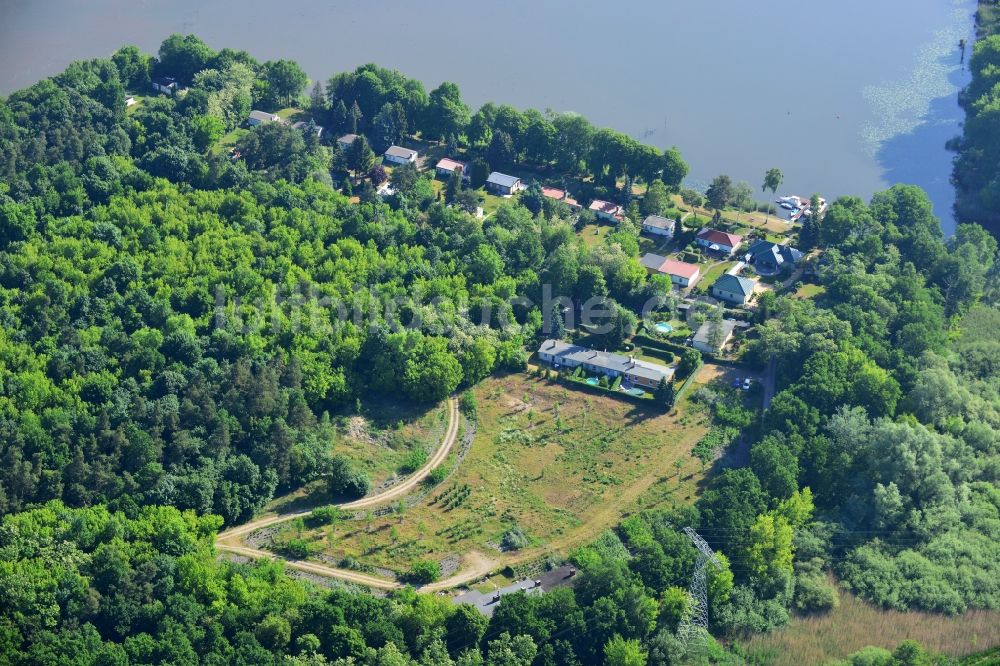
(566, 354)
(734, 284)
(701, 340)
(502, 180)
(658, 222)
(257, 117)
(771, 256)
(400, 153)
(652, 262)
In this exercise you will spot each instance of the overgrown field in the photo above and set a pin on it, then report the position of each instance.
(855, 624)
(549, 468)
(386, 440)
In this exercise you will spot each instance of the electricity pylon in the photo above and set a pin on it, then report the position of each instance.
(694, 628)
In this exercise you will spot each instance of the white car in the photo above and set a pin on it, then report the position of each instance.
(746, 384)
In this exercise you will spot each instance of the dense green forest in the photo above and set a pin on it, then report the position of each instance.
(171, 357)
(976, 176)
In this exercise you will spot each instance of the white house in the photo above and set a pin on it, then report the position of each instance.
(261, 117)
(703, 341)
(165, 85)
(733, 289)
(607, 210)
(129, 101)
(681, 273)
(447, 166)
(659, 226)
(502, 184)
(718, 241)
(643, 374)
(400, 155)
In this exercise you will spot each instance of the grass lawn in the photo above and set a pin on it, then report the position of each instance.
(809, 291)
(561, 464)
(709, 277)
(594, 234)
(855, 624)
(228, 141)
(293, 114)
(140, 99)
(770, 223)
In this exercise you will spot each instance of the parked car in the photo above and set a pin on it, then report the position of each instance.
(737, 382)
(746, 384)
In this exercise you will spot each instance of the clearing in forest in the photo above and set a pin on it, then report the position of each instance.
(550, 467)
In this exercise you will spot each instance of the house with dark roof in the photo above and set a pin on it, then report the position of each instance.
(303, 126)
(711, 337)
(165, 85)
(659, 226)
(400, 155)
(769, 258)
(681, 273)
(733, 289)
(718, 241)
(261, 117)
(606, 210)
(346, 140)
(503, 185)
(635, 373)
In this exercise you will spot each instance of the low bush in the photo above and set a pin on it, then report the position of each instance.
(513, 539)
(324, 515)
(413, 460)
(423, 572)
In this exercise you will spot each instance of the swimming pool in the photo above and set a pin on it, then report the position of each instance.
(663, 327)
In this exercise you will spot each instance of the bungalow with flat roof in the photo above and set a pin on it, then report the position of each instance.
(733, 289)
(681, 273)
(447, 166)
(659, 226)
(129, 101)
(606, 210)
(642, 374)
(165, 85)
(261, 117)
(346, 140)
(718, 241)
(502, 184)
(400, 155)
(769, 258)
(711, 337)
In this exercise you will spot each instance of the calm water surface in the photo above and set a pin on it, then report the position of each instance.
(845, 97)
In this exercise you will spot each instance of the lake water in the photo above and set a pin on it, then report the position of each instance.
(845, 97)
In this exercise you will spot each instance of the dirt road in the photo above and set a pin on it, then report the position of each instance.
(231, 540)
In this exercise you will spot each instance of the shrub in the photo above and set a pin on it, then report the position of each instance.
(467, 403)
(298, 549)
(814, 594)
(603, 381)
(324, 515)
(413, 460)
(346, 480)
(423, 572)
(436, 475)
(513, 539)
